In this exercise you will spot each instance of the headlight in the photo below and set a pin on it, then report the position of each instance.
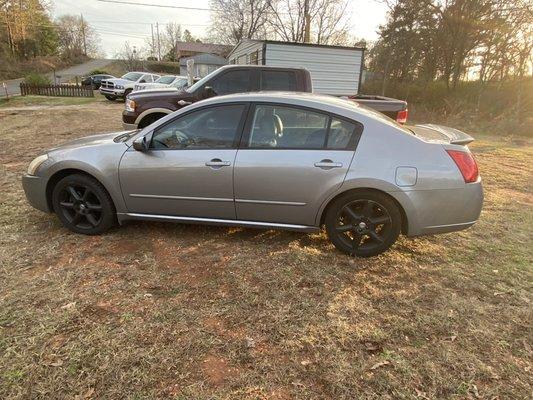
(119, 87)
(32, 168)
(130, 105)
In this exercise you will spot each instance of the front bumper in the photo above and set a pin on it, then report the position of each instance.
(128, 120)
(35, 190)
(112, 92)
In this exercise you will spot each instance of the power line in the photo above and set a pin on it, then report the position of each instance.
(131, 3)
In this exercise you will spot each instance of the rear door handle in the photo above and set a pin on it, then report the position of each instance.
(217, 162)
(328, 164)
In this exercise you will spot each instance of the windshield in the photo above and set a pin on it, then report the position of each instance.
(132, 76)
(201, 82)
(180, 83)
(166, 79)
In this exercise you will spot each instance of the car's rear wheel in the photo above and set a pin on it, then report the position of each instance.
(83, 205)
(363, 223)
(111, 98)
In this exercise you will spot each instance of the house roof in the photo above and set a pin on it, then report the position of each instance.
(211, 48)
(204, 58)
(295, 44)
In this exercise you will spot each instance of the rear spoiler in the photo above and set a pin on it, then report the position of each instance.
(452, 135)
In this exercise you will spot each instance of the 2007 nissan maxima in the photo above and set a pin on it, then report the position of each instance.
(269, 160)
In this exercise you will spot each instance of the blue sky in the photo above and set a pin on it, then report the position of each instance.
(117, 23)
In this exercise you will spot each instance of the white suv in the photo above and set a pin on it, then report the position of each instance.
(121, 87)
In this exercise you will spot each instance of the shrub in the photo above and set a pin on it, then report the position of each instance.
(98, 72)
(37, 79)
(164, 67)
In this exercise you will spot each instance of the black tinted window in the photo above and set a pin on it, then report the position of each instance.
(278, 80)
(232, 82)
(288, 127)
(215, 127)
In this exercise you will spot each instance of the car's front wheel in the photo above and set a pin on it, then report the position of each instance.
(83, 205)
(363, 223)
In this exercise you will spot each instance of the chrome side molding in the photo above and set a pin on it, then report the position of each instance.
(215, 221)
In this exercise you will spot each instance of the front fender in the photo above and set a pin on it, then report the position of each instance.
(159, 110)
(107, 176)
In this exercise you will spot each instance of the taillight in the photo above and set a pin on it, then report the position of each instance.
(466, 164)
(401, 117)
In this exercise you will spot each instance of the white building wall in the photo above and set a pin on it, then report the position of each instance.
(241, 54)
(334, 71)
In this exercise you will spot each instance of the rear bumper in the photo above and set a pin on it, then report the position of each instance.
(439, 211)
(35, 190)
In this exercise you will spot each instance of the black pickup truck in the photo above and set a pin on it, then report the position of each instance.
(144, 107)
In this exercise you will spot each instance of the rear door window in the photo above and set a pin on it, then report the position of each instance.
(288, 128)
(278, 80)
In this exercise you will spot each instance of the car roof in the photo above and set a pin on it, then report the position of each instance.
(247, 66)
(322, 102)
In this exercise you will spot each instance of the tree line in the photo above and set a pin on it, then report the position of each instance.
(454, 40)
(27, 30)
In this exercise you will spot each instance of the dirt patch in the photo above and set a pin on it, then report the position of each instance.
(218, 371)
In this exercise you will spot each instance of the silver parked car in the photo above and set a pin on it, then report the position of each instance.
(177, 82)
(268, 160)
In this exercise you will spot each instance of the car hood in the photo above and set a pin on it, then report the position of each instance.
(154, 85)
(119, 81)
(92, 141)
(161, 93)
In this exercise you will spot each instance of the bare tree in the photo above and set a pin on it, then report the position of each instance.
(233, 20)
(171, 38)
(329, 20)
(76, 37)
(130, 57)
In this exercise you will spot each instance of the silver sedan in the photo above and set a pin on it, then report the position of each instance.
(268, 160)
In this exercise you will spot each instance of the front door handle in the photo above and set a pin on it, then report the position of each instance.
(217, 162)
(328, 164)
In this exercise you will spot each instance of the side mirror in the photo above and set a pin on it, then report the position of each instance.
(142, 81)
(141, 144)
(209, 92)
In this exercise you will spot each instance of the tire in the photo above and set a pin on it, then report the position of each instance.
(110, 98)
(363, 223)
(149, 119)
(83, 205)
(126, 93)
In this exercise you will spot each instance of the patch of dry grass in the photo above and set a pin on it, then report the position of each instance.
(173, 311)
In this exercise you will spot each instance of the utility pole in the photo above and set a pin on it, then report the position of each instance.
(152, 52)
(83, 33)
(158, 42)
(307, 28)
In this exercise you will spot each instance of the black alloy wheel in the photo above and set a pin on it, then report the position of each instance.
(364, 224)
(83, 205)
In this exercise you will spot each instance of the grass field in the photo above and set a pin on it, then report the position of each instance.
(155, 311)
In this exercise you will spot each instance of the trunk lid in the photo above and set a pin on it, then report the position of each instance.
(441, 134)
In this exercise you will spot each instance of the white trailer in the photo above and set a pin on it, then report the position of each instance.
(335, 70)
